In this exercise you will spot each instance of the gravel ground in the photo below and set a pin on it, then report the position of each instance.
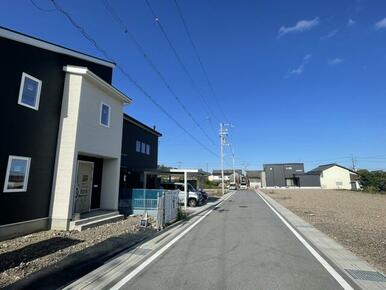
(19, 257)
(356, 220)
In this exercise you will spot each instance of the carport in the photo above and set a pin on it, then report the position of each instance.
(196, 174)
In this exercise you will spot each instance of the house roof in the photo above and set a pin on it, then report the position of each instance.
(254, 173)
(324, 167)
(272, 164)
(142, 125)
(30, 40)
(226, 171)
(84, 71)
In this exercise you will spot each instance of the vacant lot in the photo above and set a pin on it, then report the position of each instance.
(354, 219)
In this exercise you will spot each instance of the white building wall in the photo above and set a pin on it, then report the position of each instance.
(81, 133)
(94, 138)
(64, 177)
(335, 178)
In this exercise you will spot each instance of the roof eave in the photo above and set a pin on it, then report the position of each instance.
(93, 77)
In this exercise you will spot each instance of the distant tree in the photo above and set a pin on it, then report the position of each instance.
(373, 181)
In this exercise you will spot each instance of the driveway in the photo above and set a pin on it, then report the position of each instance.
(242, 244)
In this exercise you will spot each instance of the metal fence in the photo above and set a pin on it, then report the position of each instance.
(158, 203)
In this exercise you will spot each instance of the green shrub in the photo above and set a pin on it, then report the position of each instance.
(181, 215)
(373, 181)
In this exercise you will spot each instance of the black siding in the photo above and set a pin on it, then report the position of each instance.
(309, 180)
(31, 133)
(132, 160)
(277, 173)
(133, 163)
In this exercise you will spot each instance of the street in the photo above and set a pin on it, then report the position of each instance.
(242, 244)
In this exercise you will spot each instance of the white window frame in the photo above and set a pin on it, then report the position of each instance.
(20, 102)
(138, 146)
(100, 115)
(143, 148)
(25, 185)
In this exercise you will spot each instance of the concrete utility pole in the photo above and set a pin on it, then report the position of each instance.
(223, 141)
(233, 163)
(222, 137)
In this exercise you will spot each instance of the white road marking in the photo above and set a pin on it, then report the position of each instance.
(142, 266)
(318, 257)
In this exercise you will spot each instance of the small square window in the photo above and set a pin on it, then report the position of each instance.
(16, 178)
(138, 146)
(147, 149)
(29, 93)
(105, 115)
(143, 148)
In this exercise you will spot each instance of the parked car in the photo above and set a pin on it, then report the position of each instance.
(195, 197)
(204, 194)
(233, 186)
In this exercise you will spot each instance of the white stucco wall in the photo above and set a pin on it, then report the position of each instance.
(64, 176)
(331, 176)
(81, 133)
(93, 138)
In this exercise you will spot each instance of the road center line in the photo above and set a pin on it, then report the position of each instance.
(318, 257)
(142, 266)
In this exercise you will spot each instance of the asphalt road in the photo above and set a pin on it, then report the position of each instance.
(240, 245)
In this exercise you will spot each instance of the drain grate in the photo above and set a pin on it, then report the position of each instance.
(367, 275)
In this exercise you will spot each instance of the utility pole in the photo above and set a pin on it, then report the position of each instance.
(233, 163)
(223, 134)
(223, 141)
(353, 161)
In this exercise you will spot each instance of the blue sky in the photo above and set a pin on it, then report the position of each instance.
(302, 81)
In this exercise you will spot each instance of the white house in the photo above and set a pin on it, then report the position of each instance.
(335, 176)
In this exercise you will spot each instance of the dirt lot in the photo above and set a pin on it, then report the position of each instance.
(22, 256)
(356, 220)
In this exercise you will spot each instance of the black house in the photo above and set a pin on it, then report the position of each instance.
(32, 80)
(139, 154)
(61, 122)
(282, 174)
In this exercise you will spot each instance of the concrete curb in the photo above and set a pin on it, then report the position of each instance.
(340, 258)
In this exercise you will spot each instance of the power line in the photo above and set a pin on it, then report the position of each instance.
(179, 60)
(153, 66)
(40, 8)
(199, 59)
(127, 75)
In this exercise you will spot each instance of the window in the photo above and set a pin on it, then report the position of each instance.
(143, 148)
(147, 149)
(29, 93)
(16, 178)
(138, 146)
(105, 115)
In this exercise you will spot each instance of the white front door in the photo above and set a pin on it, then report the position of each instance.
(84, 186)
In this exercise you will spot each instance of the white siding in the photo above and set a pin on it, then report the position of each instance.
(81, 133)
(335, 178)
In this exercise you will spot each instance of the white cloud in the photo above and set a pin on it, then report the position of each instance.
(351, 22)
(300, 69)
(300, 26)
(330, 34)
(381, 24)
(335, 61)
